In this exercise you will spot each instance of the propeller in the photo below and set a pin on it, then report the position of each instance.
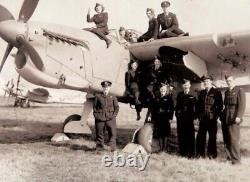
(27, 10)
(5, 14)
(6, 54)
(12, 32)
(33, 54)
(20, 59)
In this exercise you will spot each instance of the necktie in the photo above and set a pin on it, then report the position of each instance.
(207, 91)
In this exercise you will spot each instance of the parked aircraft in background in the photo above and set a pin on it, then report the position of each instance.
(25, 92)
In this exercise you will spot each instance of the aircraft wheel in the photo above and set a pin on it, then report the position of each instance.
(16, 103)
(28, 104)
(145, 137)
(25, 103)
(73, 126)
(22, 103)
(73, 117)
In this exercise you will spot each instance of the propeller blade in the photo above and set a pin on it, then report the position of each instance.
(20, 59)
(5, 14)
(27, 10)
(33, 54)
(6, 54)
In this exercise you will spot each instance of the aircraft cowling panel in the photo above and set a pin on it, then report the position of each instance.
(195, 64)
(37, 77)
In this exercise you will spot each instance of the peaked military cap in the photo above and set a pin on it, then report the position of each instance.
(184, 81)
(205, 77)
(165, 4)
(106, 83)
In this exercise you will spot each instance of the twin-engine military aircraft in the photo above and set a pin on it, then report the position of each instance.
(63, 57)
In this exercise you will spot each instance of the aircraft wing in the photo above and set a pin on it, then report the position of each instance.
(216, 54)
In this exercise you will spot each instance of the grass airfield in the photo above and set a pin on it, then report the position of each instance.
(26, 153)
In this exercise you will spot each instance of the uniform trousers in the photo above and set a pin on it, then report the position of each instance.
(231, 137)
(186, 136)
(100, 33)
(174, 33)
(207, 126)
(111, 128)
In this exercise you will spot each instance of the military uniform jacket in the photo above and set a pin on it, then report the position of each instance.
(163, 106)
(168, 22)
(153, 28)
(156, 76)
(105, 107)
(186, 106)
(234, 102)
(210, 104)
(132, 77)
(101, 21)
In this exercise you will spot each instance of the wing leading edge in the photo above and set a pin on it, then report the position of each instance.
(216, 53)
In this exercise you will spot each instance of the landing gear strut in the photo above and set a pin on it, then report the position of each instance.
(76, 124)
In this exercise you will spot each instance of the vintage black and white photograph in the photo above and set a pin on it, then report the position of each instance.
(124, 90)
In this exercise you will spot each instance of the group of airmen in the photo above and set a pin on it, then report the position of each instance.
(207, 108)
(164, 26)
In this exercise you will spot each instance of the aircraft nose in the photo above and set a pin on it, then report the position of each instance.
(11, 29)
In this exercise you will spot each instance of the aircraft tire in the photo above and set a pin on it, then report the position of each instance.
(145, 137)
(25, 104)
(28, 104)
(73, 117)
(16, 103)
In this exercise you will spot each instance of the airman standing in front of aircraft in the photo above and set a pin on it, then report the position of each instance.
(185, 112)
(232, 117)
(105, 110)
(210, 105)
(161, 111)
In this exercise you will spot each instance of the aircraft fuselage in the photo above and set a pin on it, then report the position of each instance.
(74, 59)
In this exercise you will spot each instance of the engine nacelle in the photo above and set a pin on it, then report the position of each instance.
(30, 73)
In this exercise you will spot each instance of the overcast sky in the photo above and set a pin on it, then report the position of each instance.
(195, 16)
